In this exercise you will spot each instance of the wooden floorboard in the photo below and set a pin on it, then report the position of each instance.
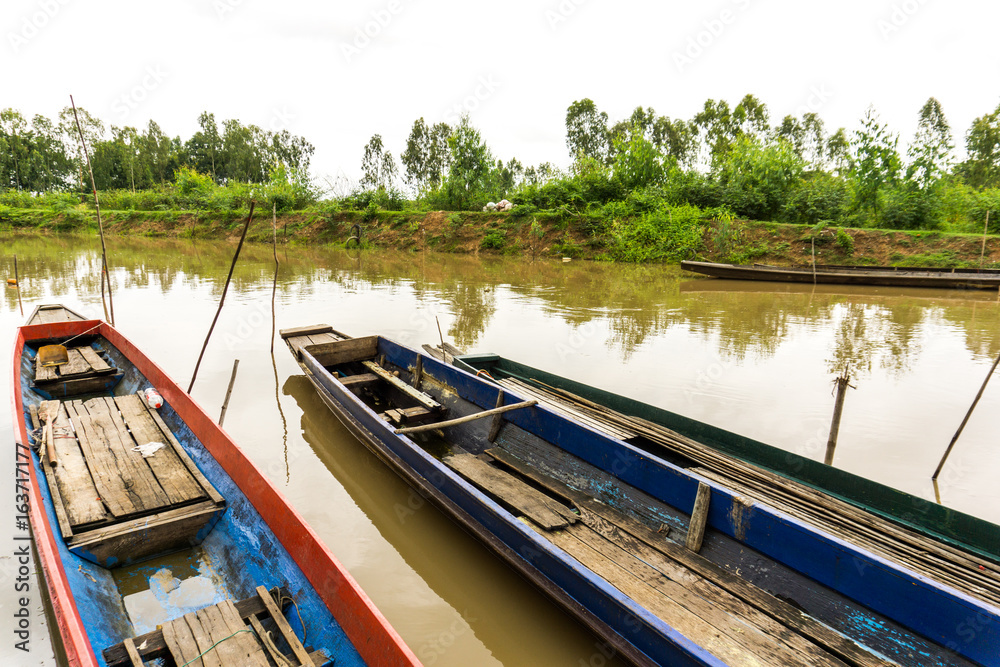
(526, 500)
(75, 485)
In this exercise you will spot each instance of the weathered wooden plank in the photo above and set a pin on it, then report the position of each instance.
(44, 373)
(133, 654)
(344, 351)
(210, 657)
(96, 362)
(181, 643)
(566, 408)
(227, 647)
(76, 365)
(126, 483)
(725, 645)
(699, 517)
(286, 630)
(117, 544)
(173, 476)
(415, 394)
(154, 645)
(305, 331)
(512, 492)
(183, 455)
(492, 412)
(359, 380)
(73, 482)
(250, 651)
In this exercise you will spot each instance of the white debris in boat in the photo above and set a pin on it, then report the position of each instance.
(149, 449)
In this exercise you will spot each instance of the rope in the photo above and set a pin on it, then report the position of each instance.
(202, 654)
(281, 603)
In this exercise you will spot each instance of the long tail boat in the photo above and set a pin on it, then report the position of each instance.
(669, 564)
(893, 276)
(159, 541)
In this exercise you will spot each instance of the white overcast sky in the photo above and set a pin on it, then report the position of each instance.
(515, 66)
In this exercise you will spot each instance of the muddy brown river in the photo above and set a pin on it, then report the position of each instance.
(755, 358)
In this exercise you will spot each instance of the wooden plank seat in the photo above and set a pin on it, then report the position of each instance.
(86, 371)
(221, 635)
(114, 505)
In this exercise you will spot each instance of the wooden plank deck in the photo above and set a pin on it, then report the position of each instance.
(227, 634)
(108, 491)
(737, 622)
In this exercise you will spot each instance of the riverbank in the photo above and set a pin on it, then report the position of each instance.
(537, 235)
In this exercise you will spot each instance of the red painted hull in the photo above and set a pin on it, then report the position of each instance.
(369, 631)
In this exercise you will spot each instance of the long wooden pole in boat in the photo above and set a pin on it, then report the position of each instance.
(229, 391)
(17, 284)
(100, 224)
(966, 420)
(467, 418)
(222, 300)
(982, 252)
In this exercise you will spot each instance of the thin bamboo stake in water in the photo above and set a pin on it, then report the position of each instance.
(222, 300)
(982, 252)
(100, 224)
(17, 284)
(843, 382)
(965, 421)
(229, 391)
(274, 287)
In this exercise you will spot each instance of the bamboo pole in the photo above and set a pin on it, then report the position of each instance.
(229, 391)
(467, 418)
(982, 252)
(274, 286)
(222, 300)
(100, 224)
(843, 382)
(968, 414)
(17, 284)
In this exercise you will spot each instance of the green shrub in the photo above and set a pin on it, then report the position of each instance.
(845, 241)
(665, 235)
(494, 240)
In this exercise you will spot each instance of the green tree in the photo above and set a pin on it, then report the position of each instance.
(716, 129)
(586, 131)
(876, 160)
(930, 151)
(638, 163)
(13, 128)
(205, 145)
(471, 165)
(759, 178)
(426, 157)
(982, 144)
(93, 132)
(378, 166)
(837, 152)
(676, 139)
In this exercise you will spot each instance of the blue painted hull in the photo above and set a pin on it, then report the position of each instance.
(871, 599)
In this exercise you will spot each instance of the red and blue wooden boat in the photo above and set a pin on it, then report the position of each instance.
(231, 537)
(667, 563)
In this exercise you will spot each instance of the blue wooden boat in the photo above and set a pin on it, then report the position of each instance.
(667, 564)
(159, 541)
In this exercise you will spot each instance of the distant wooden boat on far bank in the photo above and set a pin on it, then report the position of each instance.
(892, 276)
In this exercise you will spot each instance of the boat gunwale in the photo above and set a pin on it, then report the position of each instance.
(347, 602)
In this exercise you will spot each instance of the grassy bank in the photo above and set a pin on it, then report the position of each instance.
(666, 235)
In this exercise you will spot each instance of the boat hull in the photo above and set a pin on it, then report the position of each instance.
(259, 539)
(852, 275)
(798, 548)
